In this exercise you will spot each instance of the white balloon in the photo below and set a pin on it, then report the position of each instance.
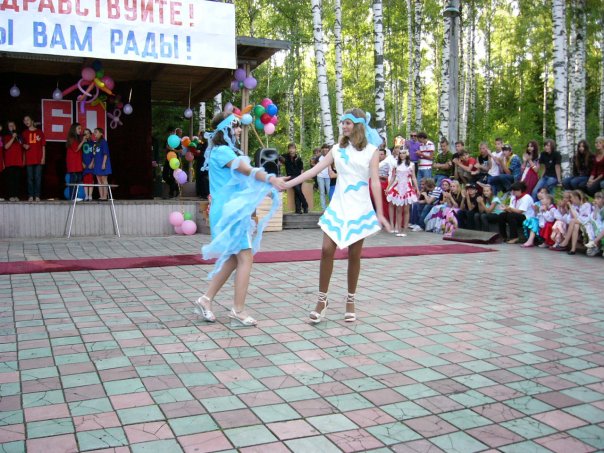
(15, 91)
(188, 113)
(128, 109)
(57, 94)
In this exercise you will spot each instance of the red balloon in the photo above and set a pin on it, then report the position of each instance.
(274, 120)
(265, 118)
(236, 111)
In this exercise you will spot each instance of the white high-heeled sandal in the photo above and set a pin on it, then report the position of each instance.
(201, 309)
(315, 316)
(236, 321)
(350, 316)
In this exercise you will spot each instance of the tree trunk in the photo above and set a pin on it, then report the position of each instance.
(291, 86)
(572, 75)
(602, 82)
(326, 125)
(417, 83)
(301, 119)
(545, 94)
(560, 81)
(337, 31)
(472, 107)
(378, 55)
(487, 69)
(202, 116)
(580, 127)
(217, 104)
(409, 67)
(443, 127)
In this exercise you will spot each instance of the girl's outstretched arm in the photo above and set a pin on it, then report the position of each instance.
(312, 172)
(376, 189)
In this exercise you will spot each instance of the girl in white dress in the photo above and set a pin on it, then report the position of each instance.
(350, 216)
(402, 191)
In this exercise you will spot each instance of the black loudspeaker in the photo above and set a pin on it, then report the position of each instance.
(268, 158)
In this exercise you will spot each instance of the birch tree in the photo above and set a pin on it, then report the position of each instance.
(410, 66)
(417, 52)
(378, 42)
(578, 106)
(326, 125)
(468, 82)
(444, 81)
(217, 104)
(601, 110)
(560, 81)
(337, 31)
(202, 116)
(488, 69)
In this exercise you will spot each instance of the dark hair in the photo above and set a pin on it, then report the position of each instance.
(518, 185)
(422, 135)
(218, 138)
(459, 142)
(535, 145)
(551, 143)
(101, 130)
(72, 135)
(407, 159)
(429, 182)
(291, 145)
(326, 146)
(444, 140)
(586, 155)
(499, 139)
(357, 138)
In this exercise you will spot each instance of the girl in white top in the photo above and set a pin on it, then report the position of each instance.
(520, 209)
(402, 191)
(580, 214)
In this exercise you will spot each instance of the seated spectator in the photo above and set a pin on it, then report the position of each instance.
(466, 167)
(530, 166)
(594, 228)
(442, 166)
(483, 165)
(595, 182)
(459, 148)
(580, 214)
(582, 164)
(429, 197)
(489, 207)
(519, 209)
(435, 219)
(549, 164)
(539, 229)
(511, 170)
(468, 208)
(562, 215)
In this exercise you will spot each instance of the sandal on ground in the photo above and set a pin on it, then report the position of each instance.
(558, 248)
(236, 321)
(350, 316)
(315, 316)
(201, 308)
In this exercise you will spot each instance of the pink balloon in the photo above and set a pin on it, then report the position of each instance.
(178, 230)
(189, 227)
(176, 218)
(266, 102)
(88, 74)
(189, 156)
(269, 129)
(109, 83)
(274, 120)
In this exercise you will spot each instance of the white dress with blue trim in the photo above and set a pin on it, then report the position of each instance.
(350, 216)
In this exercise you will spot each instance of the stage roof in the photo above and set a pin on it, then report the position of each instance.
(168, 82)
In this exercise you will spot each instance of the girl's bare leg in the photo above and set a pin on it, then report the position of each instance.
(328, 251)
(531, 239)
(354, 269)
(406, 217)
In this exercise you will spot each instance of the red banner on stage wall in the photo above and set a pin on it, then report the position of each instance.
(94, 116)
(57, 117)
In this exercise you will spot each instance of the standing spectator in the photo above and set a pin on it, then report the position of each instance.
(596, 177)
(549, 163)
(88, 163)
(34, 144)
(323, 178)
(530, 165)
(582, 163)
(202, 182)
(426, 156)
(511, 170)
(14, 160)
(102, 161)
(75, 142)
(294, 167)
(442, 165)
(519, 209)
(412, 146)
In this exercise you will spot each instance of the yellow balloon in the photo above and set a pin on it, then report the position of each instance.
(174, 163)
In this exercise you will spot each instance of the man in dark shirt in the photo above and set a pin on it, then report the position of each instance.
(294, 167)
(549, 163)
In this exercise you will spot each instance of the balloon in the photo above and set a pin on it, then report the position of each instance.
(258, 124)
(236, 111)
(234, 86)
(247, 109)
(269, 129)
(188, 216)
(240, 75)
(265, 118)
(189, 227)
(272, 109)
(250, 83)
(188, 113)
(176, 218)
(228, 107)
(183, 151)
(96, 65)
(173, 140)
(258, 110)
(15, 91)
(67, 193)
(57, 95)
(186, 141)
(246, 119)
(189, 156)
(180, 176)
(108, 81)
(128, 109)
(171, 155)
(266, 102)
(274, 120)
(88, 74)
(174, 163)
(100, 73)
(178, 229)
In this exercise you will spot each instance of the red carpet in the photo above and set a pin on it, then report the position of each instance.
(32, 267)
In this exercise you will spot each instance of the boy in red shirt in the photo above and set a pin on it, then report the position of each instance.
(34, 144)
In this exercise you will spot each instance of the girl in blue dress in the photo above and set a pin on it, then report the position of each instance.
(236, 189)
(102, 162)
(350, 216)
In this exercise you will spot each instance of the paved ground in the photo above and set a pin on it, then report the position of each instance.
(500, 351)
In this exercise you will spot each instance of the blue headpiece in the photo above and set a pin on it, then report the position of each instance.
(372, 135)
(226, 127)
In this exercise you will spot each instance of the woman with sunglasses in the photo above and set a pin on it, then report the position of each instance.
(350, 216)
(236, 189)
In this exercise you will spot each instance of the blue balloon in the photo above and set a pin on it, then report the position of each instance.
(173, 141)
(67, 193)
(259, 124)
(272, 109)
(246, 119)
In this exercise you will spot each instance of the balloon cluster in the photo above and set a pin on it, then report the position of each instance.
(182, 222)
(242, 80)
(265, 116)
(189, 147)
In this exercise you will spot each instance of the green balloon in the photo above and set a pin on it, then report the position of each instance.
(259, 124)
(100, 73)
(174, 163)
(259, 110)
(188, 216)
